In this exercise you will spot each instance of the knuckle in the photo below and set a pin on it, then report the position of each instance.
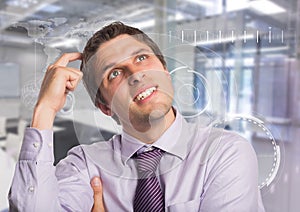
(53, 68)
(80, 74)
(50, 67)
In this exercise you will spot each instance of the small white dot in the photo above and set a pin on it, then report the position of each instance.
(50, 144)
(31, 189)
(36, 144)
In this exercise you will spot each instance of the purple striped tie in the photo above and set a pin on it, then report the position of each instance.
(148, 194)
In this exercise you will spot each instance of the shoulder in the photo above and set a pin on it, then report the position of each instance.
(215, 144)
(232, 173)
(234, 144)
(102, 147)
(231, 153)
(89, 156)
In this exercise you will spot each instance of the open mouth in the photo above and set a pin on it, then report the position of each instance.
(146, 93)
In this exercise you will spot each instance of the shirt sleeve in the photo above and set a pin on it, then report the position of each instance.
(232, 184)
(38, 185)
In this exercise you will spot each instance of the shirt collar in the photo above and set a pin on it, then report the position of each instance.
(170, 141)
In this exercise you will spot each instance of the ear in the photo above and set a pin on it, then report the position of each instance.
(105, 109)
(167, 72)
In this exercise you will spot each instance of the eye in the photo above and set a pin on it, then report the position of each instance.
(141, 58)
(115, 73)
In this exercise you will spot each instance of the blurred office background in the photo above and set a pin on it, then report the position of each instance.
(234, 63)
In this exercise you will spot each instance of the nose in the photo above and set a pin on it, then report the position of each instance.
(136, 77)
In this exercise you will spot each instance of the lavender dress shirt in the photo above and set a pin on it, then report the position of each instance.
(203, 169)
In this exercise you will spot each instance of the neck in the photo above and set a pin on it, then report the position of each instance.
(149, 132)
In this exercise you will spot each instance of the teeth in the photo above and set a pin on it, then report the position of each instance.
(146, 93)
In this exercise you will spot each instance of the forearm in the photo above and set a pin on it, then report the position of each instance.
(38, 185)
(30, 191)
(35, 174)
(43, 117)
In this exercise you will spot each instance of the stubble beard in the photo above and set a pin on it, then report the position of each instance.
(143, 120)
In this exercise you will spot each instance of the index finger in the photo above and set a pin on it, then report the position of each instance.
(68, 57)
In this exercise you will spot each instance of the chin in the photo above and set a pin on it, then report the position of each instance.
(153, 112)
(159, 112)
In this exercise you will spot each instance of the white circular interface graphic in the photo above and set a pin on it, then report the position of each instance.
(268, 151)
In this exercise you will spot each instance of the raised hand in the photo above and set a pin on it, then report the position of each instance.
(58, 80)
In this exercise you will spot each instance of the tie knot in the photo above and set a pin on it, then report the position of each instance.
(147, 162)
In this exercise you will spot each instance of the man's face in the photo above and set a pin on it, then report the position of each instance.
(133, 81)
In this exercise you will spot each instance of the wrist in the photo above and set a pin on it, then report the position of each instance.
(43, 117)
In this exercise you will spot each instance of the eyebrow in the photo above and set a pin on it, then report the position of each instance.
(110, 65)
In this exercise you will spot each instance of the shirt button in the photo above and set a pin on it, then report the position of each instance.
(36, 144)
(31, 189)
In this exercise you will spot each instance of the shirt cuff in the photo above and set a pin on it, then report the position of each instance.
(37, 145)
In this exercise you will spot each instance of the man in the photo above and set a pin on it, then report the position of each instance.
(197, 169)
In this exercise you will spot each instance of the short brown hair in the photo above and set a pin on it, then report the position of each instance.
(103, 35)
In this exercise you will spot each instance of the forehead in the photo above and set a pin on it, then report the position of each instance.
(118, 49)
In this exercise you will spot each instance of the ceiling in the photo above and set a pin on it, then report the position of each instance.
(51, 21)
